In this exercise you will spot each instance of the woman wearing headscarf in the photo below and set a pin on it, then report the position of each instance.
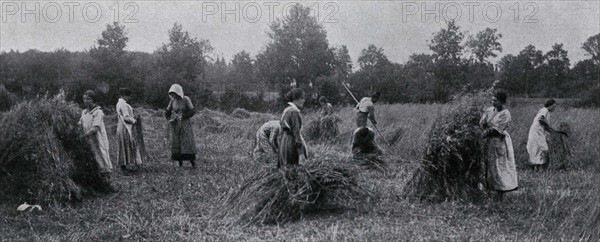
(291, 144)
(128, 151)
(178, 113)
(500, 168)
(537, 145)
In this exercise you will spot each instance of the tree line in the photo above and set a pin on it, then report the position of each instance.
(297, 54)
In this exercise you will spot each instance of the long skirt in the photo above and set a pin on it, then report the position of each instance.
(183, 146)
(537, 148)
(288, 153)
(101, 154)
(501, 167)
(129, 153)
(361, 119)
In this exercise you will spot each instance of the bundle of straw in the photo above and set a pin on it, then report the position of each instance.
(277, 196)
(240, 113)
(370, 161)
(365, 152)
(312, 131)
(138, 135)
(560, 152)
(324, 128)
(453, 163)
(42, 155)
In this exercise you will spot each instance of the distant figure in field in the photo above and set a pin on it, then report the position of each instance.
(326, 107)
(327, 122)
(129, 153)
(537, 144)
(501, 169)
(92, 121)
(178, 113)
(292, 144)
(363, 143)
(366, 110)
(267, 141)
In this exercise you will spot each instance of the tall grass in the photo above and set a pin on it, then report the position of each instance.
(165, 202)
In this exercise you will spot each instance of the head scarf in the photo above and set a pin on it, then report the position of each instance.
(176, 88)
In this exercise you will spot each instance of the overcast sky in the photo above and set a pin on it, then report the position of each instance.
(401, 28)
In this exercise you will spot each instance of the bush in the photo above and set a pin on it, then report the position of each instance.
(7, 99)
(44, 159)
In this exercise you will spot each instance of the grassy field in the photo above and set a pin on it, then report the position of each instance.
(163, 202)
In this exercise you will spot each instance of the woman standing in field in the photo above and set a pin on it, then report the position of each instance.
(128, 151)
(537, 145)
(178, 113)
(292, 144)
(500, 168)
(92, 121)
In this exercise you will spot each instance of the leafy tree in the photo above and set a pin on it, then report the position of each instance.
(372, 58)
(555, 72)
(447, 69)
(446, 44)
(343, 62)
(417, 72)
(242, 71)
(183, 60)
(377, 73)
(521, 74)
(592, 47)
(184, 56)
(298, 51)
(110, 62)
(485, 44)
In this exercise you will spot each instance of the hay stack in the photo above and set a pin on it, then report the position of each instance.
(312, 130)
(329, 127)
(202, 119)
(560, 151)
(240, 113)
(210, 117)
(42, 157)
(365, 152)
(324, 128)
(452, 165)
(277, 196)
(138, 135)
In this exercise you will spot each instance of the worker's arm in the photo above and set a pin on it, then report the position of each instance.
(372, 114)
(545, 124)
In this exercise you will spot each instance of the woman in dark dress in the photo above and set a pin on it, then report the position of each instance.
(179, 112)
(291, 144)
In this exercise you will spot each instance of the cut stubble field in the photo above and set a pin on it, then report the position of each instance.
(164, 202)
